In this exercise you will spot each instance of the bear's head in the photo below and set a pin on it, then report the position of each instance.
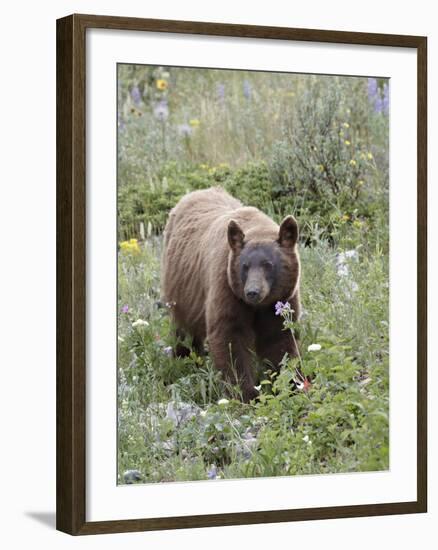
(262, 271)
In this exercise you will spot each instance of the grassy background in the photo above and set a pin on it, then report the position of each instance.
(316, 147)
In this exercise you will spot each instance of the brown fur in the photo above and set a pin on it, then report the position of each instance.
(200, 274)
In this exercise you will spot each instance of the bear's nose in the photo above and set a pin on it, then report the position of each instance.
(253, 295)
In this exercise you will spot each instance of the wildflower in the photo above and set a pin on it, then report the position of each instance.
(353, 162)
(203, 166)
(372, 89)
(360, 183)
(140, 323)
(357, 223)
(281, 309)
(161, 84)
(347, 143)
(321, 167)
(168, 351)
(212, 472)
(258, 388)
(203, 413)
(125, 308)
(345, 218)
(346, 125)
(307, 439)
(220, 90)
(184, 130)
(307, 385)
(385, 100)
(247, 90)
(370, 156)
(194, 122)
(161, 110)
(314, 347)
(130, 247)
(136, 95)
(223, 401)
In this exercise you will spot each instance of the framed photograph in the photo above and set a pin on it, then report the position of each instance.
(241, 274)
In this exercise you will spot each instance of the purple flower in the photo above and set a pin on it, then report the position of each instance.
(185, 130)
(220, 90)
(136, 95)
(212, 473)
(125, 308)
(161, 110)
(281, 308)
(385, 102)
(247, 90)
(379, 102)
(372, 89)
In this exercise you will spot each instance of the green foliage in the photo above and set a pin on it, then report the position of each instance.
(340, 424)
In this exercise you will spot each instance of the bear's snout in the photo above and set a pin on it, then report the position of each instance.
(253, 295)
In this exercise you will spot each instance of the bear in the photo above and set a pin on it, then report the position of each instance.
(224, 267)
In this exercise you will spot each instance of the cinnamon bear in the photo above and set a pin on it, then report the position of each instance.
(224, 267)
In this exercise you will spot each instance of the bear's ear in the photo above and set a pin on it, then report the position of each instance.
(235, 235)
(288, 234)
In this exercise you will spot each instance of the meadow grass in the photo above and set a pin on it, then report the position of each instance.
(171, 426)
(315, 147)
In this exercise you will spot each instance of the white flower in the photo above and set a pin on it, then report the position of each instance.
(306, 438)
(258, 388)
(140, 323)
(314, 347)
(223, 402)
(203, 413)
(168, 351)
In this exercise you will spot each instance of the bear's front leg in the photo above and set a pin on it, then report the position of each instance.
(230, 336)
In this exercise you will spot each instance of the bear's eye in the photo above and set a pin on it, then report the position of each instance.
(268, 265)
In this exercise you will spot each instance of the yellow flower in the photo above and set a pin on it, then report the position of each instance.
(346, 125)
(347, 143)
(194, 122)
(345, 218)
(321, 167)
(358, 224)
(130, 247)
(162, 84)
(369, 156)
(203, 166)
(353, 162)
(360, 183)
(223, 165)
